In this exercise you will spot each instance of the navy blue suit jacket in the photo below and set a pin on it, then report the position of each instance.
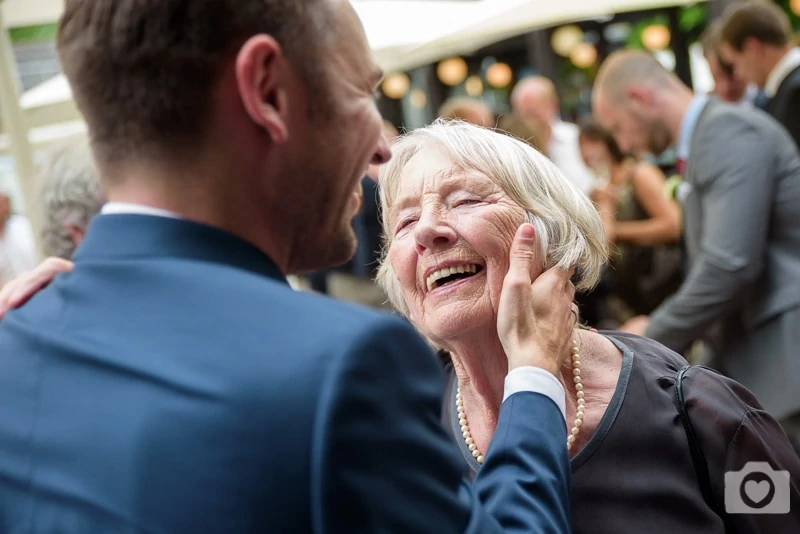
(174, 383)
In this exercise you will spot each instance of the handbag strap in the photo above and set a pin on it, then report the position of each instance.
(698, 458)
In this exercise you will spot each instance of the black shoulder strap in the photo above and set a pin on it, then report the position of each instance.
(698, 458)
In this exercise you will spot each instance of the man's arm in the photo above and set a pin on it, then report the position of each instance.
(382, 462)
(737, 186)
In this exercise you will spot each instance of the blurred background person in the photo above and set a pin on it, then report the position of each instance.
(535, 98)
(756, 38)
(17, 243)
(468, 109)
(71, 196)
(741, 226)
(532, 131)
(728, 86)
(642, 225)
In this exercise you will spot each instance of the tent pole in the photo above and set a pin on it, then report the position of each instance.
(17, 130)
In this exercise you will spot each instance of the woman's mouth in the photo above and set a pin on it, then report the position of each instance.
(449, 275)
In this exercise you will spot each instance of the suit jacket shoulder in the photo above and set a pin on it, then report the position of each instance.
(785, 105)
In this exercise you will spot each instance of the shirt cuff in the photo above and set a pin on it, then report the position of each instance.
(536, 380)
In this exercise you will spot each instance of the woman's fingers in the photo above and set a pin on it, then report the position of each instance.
(18, 291)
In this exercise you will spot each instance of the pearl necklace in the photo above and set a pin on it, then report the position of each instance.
(576, 425)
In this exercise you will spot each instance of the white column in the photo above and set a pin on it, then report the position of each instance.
(15, 127)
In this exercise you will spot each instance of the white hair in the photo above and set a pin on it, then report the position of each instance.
(569, 231)
(71, 196)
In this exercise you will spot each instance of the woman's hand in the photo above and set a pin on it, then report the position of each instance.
(19, 290)
(535, 319)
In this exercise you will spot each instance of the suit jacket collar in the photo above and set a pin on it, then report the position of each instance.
(688, 125)
(132, 236)
(782, 70)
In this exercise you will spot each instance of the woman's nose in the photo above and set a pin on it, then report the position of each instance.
(432, 232)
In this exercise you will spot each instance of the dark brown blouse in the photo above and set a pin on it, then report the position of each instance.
(636, 476)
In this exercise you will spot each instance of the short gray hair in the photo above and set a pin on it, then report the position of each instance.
(569, 230)
(71, 196)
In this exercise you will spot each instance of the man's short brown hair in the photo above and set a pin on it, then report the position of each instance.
(761, 20)
(143, 72)
(710, 41)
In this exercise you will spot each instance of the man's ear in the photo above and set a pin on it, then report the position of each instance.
(261, 77)
(639, 97)
(752, 44)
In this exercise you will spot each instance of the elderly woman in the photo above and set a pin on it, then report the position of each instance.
(655, 446)
(452, 198)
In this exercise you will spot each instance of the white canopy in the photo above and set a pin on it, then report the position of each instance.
(409, 34)
(18, 13)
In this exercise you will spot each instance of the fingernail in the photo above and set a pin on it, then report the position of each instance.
(527, 231)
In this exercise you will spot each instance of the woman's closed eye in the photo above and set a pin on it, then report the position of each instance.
(466, 202)
(404, 223)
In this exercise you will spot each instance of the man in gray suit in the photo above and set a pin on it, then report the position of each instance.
(741, 225)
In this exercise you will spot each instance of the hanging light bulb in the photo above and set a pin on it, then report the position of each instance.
(656, 37)
(452, 71)
(396, 85)
(583, 56)
(565, 38)
(499, 75)
(474, 86)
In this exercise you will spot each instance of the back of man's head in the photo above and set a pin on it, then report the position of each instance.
(625, 68)
(143, 72)
(709, 40)
(764, 21)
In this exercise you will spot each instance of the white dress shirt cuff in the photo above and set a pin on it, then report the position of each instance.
(539, 381)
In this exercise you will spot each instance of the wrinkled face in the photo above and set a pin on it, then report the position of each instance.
(345, 139)
(635, 132)
(747, 64)
(450, 236)
(727, 85)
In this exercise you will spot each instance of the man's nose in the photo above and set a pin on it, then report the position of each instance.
(383, 153)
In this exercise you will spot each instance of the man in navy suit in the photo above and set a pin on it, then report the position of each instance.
(172, 382)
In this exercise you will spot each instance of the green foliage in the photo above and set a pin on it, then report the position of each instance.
(795, 19)
(31, 34)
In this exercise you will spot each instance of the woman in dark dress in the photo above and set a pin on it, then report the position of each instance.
(452, 197)
(642, 224)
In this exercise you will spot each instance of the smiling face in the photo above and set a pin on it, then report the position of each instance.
(346, 138)
(450, 235)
